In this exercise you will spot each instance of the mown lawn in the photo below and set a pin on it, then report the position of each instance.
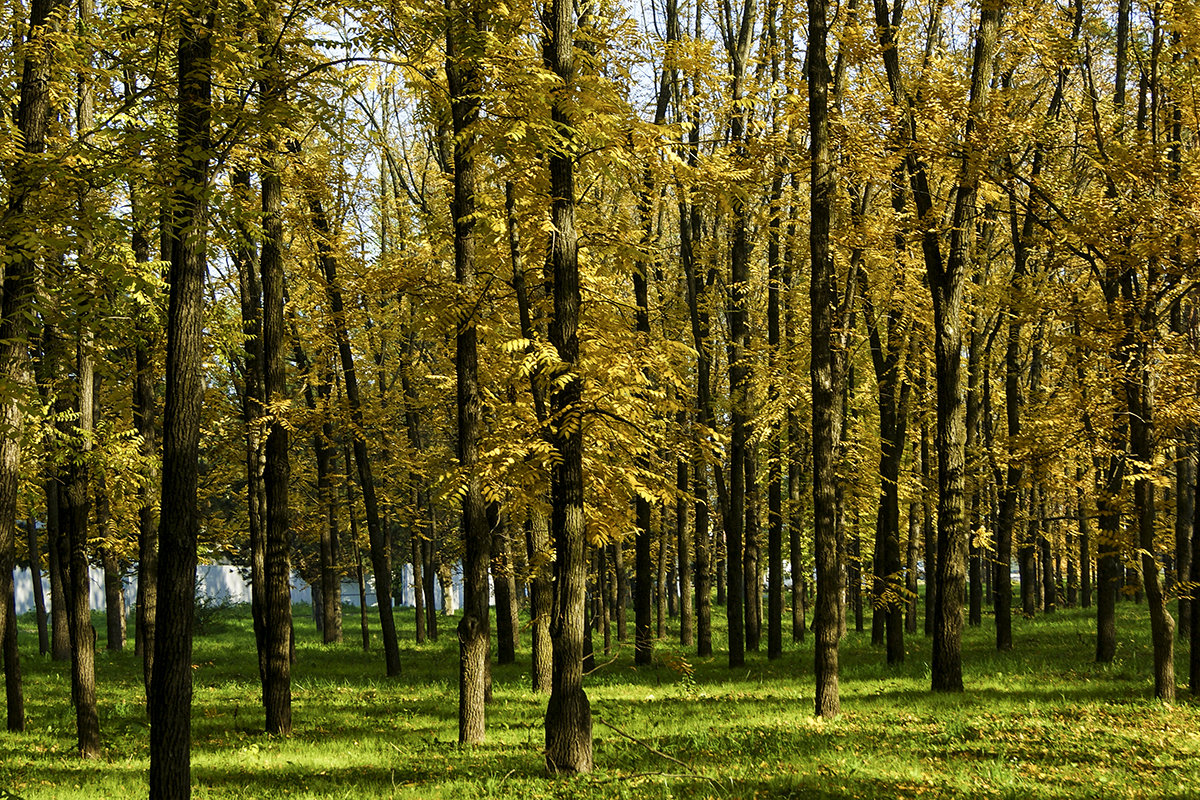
(1041, 721)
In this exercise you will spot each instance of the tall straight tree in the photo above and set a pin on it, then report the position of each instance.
(171, 682)
(77, 486)
(738, 34)
(381, 558)
(277, 619)
(33, 117)
(568, 712)
(464, 43)
(826, 422)
(947, 283)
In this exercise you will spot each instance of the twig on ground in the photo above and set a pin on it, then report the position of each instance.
(658, 753)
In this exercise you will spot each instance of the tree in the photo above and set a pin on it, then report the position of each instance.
(171, 682)
(826, 419)
(464, 41)
(568, 712)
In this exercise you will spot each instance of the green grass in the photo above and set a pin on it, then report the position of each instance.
(1041, 721)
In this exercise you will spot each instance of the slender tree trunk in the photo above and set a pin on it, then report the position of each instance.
(35, 575)
(245, 257)
(795, 530)
(381, 559)
(277, 627)
(825, 423)
(703, 561)
(538, 547)
(928, 528)
(144, 414)
(364, 622)
(463, 31)
(60, 637)
(32, 118)
(683, 551)
(568, 712)
(171, 688)
(504, 580)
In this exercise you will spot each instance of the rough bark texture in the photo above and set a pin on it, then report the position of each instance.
(171, 688)
(33, 116)
(504, 584)
(568, 712)
(825, 422)
(463, 29)
(277, 627)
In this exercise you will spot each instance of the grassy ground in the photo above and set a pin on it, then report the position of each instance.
(1041, 721)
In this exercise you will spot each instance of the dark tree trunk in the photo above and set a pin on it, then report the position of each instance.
(77, 486)
(60, 637)
(538, 548)
(463, 33)
(800, 573)
(245, 258)
(683, 551)
(504, 580)
(144, 413)
(35, 574)
(751, 562)
(910, 582)
(1185, 501)
(414, 549)
(826, 423)
(568, 712)
(947, 283)
(32, 118)
(661, 583)
(381, 558)
(171, 688)
(737, 43)
(703, 562)
(277, 606)
(14, 692)
(643, 585)
(364, 622)
(928, 528)
(114, 601)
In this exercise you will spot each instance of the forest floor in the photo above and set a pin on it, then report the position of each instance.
(1040, 721)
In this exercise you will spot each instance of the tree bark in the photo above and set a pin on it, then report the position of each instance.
(171, 688)
(35, 574)
(32, 118)
(277, 619)
(568, 713)
(825, 422)
(464, 29)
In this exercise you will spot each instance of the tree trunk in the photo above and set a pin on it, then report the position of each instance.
(463, 31)
(538, 548)
(60, 639)
(703, 561)
(683, 551)
(568, 712)
(826, 423)
(32, 118)
(381, 558)
(277, 619)
(35, 574)
(144, 413)
(171, 689)
(643, 639)
(504, 580)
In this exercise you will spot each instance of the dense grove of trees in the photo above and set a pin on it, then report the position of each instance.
(518, 290)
